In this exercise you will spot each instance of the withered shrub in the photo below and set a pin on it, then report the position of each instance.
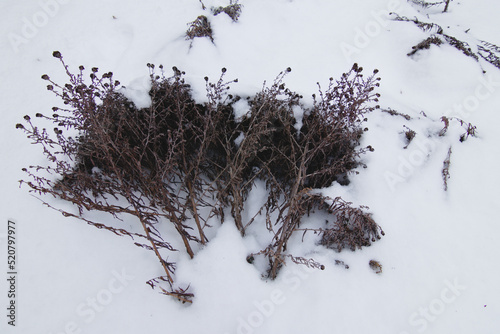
(183, 163)
(200, 27)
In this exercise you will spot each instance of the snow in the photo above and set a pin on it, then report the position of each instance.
(440, 251)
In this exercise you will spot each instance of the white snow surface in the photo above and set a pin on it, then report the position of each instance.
(440, 254)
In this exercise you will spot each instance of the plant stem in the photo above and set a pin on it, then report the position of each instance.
(446, 6)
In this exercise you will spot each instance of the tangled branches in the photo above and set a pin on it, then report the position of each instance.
(180, 163)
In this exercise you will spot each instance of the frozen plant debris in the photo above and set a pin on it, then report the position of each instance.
(341, 263)
(409, 135)
(425, 44)
(396, 113)
(375, 266)
(233, 10)
(446, 169)
(199, 28)
(425, 4)
(485, 50)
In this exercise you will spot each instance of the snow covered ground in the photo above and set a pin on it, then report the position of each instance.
(440, 254)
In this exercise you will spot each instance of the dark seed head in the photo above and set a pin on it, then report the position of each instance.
(57, 54)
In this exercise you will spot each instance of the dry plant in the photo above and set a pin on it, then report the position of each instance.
(446, 169)
(200, 28)
(470, 130)
(341, 263)
(323, 150)
(426, 4)
(375, 266)
(488, 51)
(233, 10)
(396, 113)
(409, 136)
(425, 44)
(122, 160)
(447, 4)
(177, 163)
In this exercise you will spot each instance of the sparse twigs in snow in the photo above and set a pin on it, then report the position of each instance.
(426, 4)
(487, 51)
